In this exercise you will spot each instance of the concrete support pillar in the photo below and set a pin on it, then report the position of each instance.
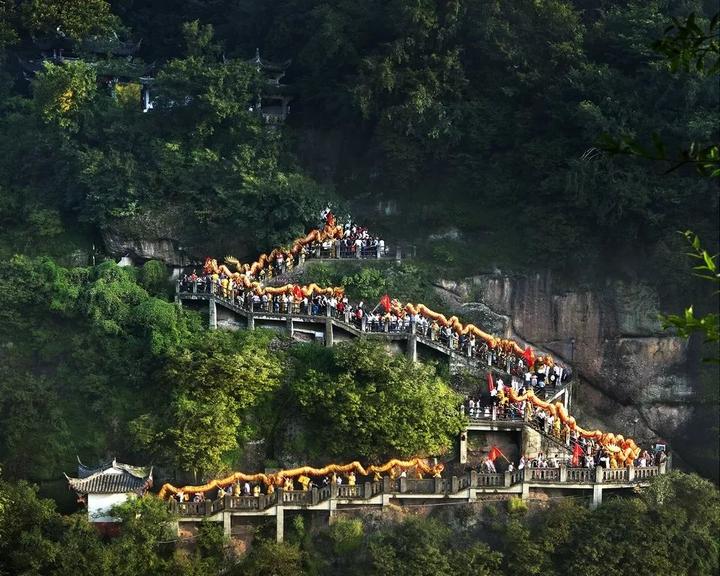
(250, 321)
(329, 336)
(332, 501)
(403, 485)
(290, 326)
(454, 485)
(227, 523)
(508, 479)
(212, 309)
(596, 496)
(463, 447)
(563, 473)
(412, 347)
(525, 494)
(279, 521)
(387, 486)
(631, 473)
(473, 479)
(367, 490)
(438, 488)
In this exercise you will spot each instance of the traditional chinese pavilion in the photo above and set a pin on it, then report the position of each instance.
(108, 485)
(273, 103)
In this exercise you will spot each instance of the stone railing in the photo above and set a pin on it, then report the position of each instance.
(542, 474)
(297, 497)
(646, 472)
(191, 508)
(489, 480)
(244, 502)
(580, 475)
(420, 487)
(619, 475)
(236, 301)
(347, 491)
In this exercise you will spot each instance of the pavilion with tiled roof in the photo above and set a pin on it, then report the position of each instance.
(108, 485)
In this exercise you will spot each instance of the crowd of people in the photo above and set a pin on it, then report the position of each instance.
(300, 483)
(588, 454)
(496, 405)
(377, 320)
(356, 242)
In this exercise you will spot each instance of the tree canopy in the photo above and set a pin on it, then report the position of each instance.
(360, 399)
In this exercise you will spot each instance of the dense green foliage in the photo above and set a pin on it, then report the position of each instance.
(360, 399)
(200, 161)
(464, 127)
(36, 540)
(460, 114)
(214, 380)
(94, 365)
(368, 281)
(670, 528)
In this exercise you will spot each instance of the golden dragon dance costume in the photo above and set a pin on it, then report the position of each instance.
(623, 451)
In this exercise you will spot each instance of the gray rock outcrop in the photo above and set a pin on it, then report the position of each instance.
(629, 368)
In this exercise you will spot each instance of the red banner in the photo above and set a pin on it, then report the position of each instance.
(494, 453)
(577, 452)
(297, 292)
(529, 357)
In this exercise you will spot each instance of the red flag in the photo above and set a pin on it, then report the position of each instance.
(529, 357)
(494, 453)
(385, 302)
(491, 383)
(297, 292)
(577, 452)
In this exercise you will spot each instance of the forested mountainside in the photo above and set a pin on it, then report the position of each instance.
(479, 120)
(480, 137)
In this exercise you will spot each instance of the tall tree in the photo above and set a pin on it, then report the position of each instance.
(370, 404)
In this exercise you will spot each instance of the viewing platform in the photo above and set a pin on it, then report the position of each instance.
(330, 327)
(515, 429)
(471, 487)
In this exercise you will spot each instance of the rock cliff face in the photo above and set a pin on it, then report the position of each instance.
(171, 235)
(153, 235)
(628, 367)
